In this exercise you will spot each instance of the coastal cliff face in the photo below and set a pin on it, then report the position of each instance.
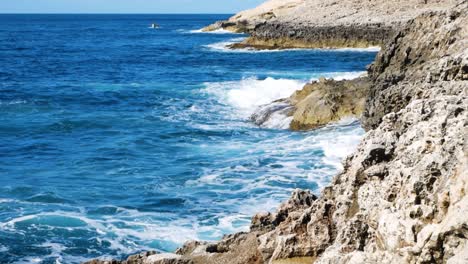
(325, 23)
(401, 197)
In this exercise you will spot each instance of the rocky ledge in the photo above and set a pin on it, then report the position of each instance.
(401, 197)
(287, 36)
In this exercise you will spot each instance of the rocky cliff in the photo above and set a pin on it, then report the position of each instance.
(325, 23)
(401, 197)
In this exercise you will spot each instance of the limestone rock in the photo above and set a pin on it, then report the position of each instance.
(280, 24)
(326, 101)
(318, 104)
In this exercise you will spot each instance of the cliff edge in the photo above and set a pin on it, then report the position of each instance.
(278, 24)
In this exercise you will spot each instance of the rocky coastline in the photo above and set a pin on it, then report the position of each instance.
(289, 36)
(401, 197)
(284, 24)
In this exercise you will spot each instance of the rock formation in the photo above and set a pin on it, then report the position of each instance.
(318, 103)
(325, 23)
(401, 197)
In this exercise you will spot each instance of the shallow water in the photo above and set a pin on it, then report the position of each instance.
(117, 138)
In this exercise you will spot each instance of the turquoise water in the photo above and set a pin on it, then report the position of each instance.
(117, 138)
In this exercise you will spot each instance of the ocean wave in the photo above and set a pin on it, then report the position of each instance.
(246, 95)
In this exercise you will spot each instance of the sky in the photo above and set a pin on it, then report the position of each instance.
(127, 6)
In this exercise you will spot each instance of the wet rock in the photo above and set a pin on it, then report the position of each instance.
(326, 101)
(317, 104)
(275, 112)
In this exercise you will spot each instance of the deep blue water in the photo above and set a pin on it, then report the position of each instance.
(115, 137)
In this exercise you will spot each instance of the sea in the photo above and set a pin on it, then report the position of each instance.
(117, 138)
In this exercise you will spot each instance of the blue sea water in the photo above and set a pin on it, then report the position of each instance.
(115, 138)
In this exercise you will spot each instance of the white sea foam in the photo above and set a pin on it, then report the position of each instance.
(29, 260)
(223, 46)
(246, 95)
(314, 157)
(6, 200)
(217, 31)
(290, 158)
(368, 49)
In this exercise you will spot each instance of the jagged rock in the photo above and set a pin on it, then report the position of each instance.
(403, 63)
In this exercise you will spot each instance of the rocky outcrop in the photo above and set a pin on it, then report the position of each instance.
(286, 36)
(326, 101)
(318, 104)
(401, 197)
(278, 24)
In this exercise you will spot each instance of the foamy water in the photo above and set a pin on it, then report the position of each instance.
(217, 31)
(223, 46)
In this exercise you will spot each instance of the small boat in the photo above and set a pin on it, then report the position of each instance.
(154, 25)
